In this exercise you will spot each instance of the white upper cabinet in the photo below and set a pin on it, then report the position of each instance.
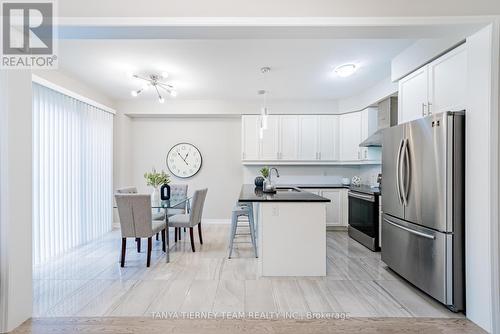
(250, 140)
(448, 81)
(437, 87)
(308, 137)
(289, 137)
(350, 136)
(412, 101)
(269, 148)
(328, 137)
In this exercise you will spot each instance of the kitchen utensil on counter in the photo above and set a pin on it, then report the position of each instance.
(356, 180)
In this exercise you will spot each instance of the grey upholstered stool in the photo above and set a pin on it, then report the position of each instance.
(242, 210)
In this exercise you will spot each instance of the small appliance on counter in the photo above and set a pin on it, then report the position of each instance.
(364, 216)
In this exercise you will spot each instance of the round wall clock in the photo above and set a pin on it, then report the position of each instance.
(184, 160)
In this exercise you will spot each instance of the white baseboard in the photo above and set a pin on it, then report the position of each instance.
(216, 221)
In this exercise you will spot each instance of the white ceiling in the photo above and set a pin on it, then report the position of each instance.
(229, 69)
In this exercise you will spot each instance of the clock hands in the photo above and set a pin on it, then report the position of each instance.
(183, 158)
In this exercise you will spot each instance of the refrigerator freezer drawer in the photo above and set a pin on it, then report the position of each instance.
(418, 254)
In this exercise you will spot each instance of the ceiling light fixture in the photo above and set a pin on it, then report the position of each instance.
(155, 81)
(345, 70)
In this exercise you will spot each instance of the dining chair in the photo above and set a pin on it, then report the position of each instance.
(178, 192)
(192, 218)
(136, 221)
(156, 215)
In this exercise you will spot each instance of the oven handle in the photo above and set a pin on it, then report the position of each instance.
(421, 234)
(360, 196)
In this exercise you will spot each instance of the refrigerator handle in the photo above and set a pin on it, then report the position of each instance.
(407, 168)
(398, 171)
(403, 171)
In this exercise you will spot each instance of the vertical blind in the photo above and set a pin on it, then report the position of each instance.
(72, 173)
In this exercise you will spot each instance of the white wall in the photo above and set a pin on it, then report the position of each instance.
(276, 8)
(420, 53)
(369, 97)
(173, 107)
(481, 175)
(65, 80)
(313, 174)
(15, 199)
(218, 140)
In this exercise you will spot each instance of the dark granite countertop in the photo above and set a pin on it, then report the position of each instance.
(365, 189)
(316, 186)
(249, 193)
(362, 188)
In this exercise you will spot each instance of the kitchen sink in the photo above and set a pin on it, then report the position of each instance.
(286, 189)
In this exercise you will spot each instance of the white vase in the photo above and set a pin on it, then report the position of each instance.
(155, 197)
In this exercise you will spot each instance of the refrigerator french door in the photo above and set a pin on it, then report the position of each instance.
(423, 192)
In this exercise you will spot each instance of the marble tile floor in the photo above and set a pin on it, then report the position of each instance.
(89, 282)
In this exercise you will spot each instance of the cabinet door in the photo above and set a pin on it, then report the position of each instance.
(448, 81)
(270, 139)
(334, 207)
(328, 138)
(350, 133)
(308, 137)
(368, 127)
(412, 101)
(250, 137)
(289, 137)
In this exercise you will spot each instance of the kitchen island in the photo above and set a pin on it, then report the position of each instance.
(291, 231)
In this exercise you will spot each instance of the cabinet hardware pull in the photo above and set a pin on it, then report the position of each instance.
(423, 109)
(429, 112)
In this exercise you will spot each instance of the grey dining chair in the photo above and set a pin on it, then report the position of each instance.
(178, 192)
(156, 215)
(193, 218)
(136, 221)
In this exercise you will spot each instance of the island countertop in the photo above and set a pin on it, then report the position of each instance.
(249, 193)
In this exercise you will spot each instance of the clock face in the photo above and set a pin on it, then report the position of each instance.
(184, 160)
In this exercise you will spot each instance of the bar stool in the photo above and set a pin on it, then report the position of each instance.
(242, 210)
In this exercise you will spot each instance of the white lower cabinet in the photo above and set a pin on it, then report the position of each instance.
(337, 208)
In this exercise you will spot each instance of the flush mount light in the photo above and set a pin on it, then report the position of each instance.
(345, 70)
(155, 81)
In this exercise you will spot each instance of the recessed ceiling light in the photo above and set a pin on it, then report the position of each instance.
(345, 70)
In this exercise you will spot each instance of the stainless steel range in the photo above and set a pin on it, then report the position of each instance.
(364, 216)
(423, 192)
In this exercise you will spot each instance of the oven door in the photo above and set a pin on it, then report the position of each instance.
(363, 213)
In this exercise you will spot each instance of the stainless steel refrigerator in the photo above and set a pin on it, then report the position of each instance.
(423, 205)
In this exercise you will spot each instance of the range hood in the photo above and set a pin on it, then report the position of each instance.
(387, 117)
(375, 140)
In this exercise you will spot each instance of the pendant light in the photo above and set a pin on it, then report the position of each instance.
(264, 110)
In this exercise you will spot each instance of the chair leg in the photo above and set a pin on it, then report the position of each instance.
(180, 233)
(138, 241)
(234, 226)
(150, 245)
(199, 233)
(176, 234)
(192, 239)
(157, 237)
(124, 249)
(163, 232)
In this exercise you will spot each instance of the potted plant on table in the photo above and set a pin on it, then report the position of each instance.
(156, 180)
(264, 173)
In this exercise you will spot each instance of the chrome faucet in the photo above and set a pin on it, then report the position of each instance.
(268, 184)
(271, 172)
